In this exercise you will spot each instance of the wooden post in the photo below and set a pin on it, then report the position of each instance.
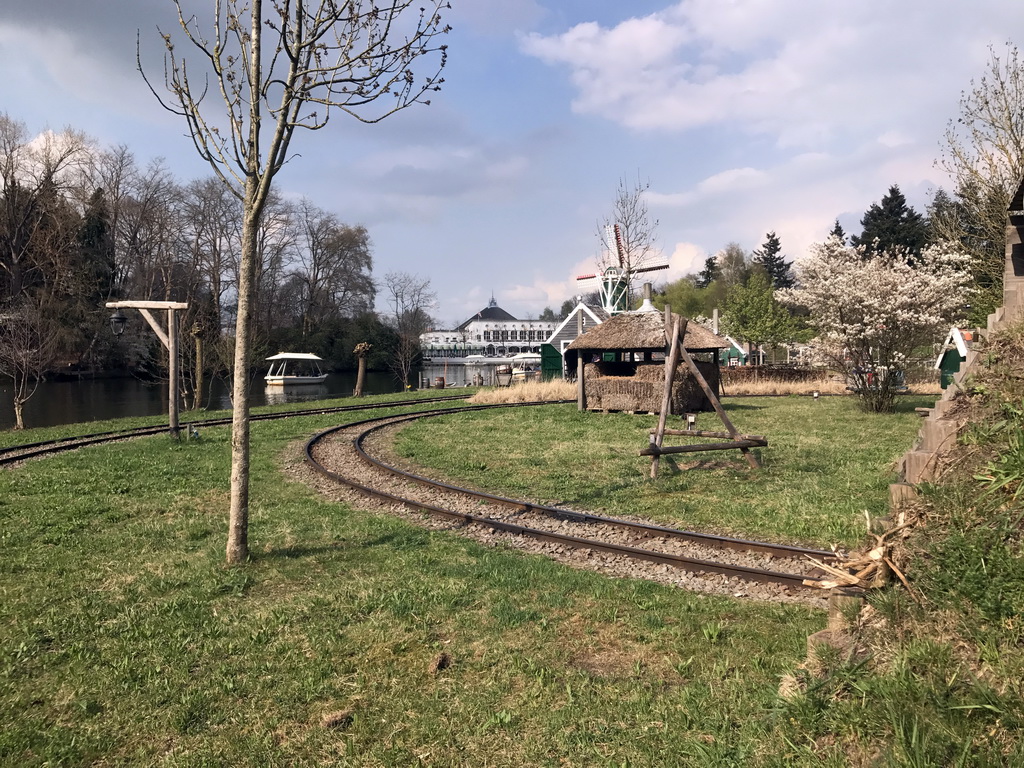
(197, 398)
(581, 397)
(666, 398)
(172, 372)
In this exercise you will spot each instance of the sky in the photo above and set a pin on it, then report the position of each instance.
(739, 117)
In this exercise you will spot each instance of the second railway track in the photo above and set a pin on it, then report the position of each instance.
(14, 454)
(350, 456)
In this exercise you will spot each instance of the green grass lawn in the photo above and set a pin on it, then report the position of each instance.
(827, 463)
(124, 640)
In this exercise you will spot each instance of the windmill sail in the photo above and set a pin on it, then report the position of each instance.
(614, 280)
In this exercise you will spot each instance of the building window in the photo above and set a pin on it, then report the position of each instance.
(487, 335)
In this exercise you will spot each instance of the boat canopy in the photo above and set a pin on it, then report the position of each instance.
(294, 356)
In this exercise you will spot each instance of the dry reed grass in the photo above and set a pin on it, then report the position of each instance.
(826, 385)
(557, 389)
(527, 392)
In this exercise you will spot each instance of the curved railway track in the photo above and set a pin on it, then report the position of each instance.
(345, 455)
(16, 453)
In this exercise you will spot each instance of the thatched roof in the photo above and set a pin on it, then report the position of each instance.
(643, 331)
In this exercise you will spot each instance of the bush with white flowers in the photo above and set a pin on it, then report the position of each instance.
(872, 311)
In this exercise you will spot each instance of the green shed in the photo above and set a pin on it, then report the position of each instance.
(952, 356)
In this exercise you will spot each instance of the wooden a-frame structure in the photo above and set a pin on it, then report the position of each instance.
(729, 440)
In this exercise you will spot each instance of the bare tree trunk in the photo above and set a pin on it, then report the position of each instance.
(238, 523)
(197, 397)
(19, 418)
(360, 377)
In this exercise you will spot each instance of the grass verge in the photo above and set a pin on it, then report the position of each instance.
(360, 640)
(827, 464)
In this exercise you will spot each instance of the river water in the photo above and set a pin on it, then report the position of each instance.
(68, 402)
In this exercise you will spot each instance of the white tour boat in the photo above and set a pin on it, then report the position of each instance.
(526, 367)
(288, 368)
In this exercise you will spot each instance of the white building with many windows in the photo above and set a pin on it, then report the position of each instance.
(491, 332)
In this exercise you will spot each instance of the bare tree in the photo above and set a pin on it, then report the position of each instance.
(33, 172)
(733, 264)
(636, 230)
(410, 300)
(28, 349)
(984, 155)
(334, 277)
(319, 57)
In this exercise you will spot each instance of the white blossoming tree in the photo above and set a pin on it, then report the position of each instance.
(872, 314)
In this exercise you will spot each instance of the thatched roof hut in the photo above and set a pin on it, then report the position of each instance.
(642, 332)
(625, 364)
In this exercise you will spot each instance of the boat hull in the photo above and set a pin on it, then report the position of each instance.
(291, 381)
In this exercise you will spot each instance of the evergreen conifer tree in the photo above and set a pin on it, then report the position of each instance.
(838, 231)
(769, 257)
(709, 274)
(892, 224)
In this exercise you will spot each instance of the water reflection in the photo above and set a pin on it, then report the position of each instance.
(295, 393)
(68, 402)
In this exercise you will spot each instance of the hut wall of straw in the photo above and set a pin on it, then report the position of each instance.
(610, 387)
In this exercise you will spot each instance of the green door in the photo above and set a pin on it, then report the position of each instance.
(550, 363)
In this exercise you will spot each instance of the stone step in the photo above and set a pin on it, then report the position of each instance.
(919, 467)
(937, 434)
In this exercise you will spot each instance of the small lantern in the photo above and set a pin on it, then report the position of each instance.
(691, 421)
(815, 394)
(117, 322)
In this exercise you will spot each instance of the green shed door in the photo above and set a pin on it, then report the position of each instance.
(550, 363)
(948, 366)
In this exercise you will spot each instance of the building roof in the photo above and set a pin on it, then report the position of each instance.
(597, 315)
(491, 312)
(642, 331)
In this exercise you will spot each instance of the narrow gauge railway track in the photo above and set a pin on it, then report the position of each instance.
(625, 547)
(17, 453)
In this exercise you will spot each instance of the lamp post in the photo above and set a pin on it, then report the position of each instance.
(168, 338)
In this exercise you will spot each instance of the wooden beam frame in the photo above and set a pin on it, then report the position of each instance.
(169, 339)
(734, 440)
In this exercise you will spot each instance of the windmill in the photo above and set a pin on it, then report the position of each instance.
(614, 281)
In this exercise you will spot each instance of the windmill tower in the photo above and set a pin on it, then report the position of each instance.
(613, 282)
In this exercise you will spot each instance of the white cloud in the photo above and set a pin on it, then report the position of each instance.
(804, 73)
(685, 259)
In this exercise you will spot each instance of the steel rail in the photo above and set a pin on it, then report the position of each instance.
(646, 530)
(643, 529)
(16, 453)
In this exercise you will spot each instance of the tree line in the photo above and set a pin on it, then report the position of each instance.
(81, 225)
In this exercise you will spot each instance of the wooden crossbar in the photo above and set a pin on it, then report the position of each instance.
(705, 433)
(729, 445)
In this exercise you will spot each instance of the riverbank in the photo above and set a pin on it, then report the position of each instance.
(72, 401)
